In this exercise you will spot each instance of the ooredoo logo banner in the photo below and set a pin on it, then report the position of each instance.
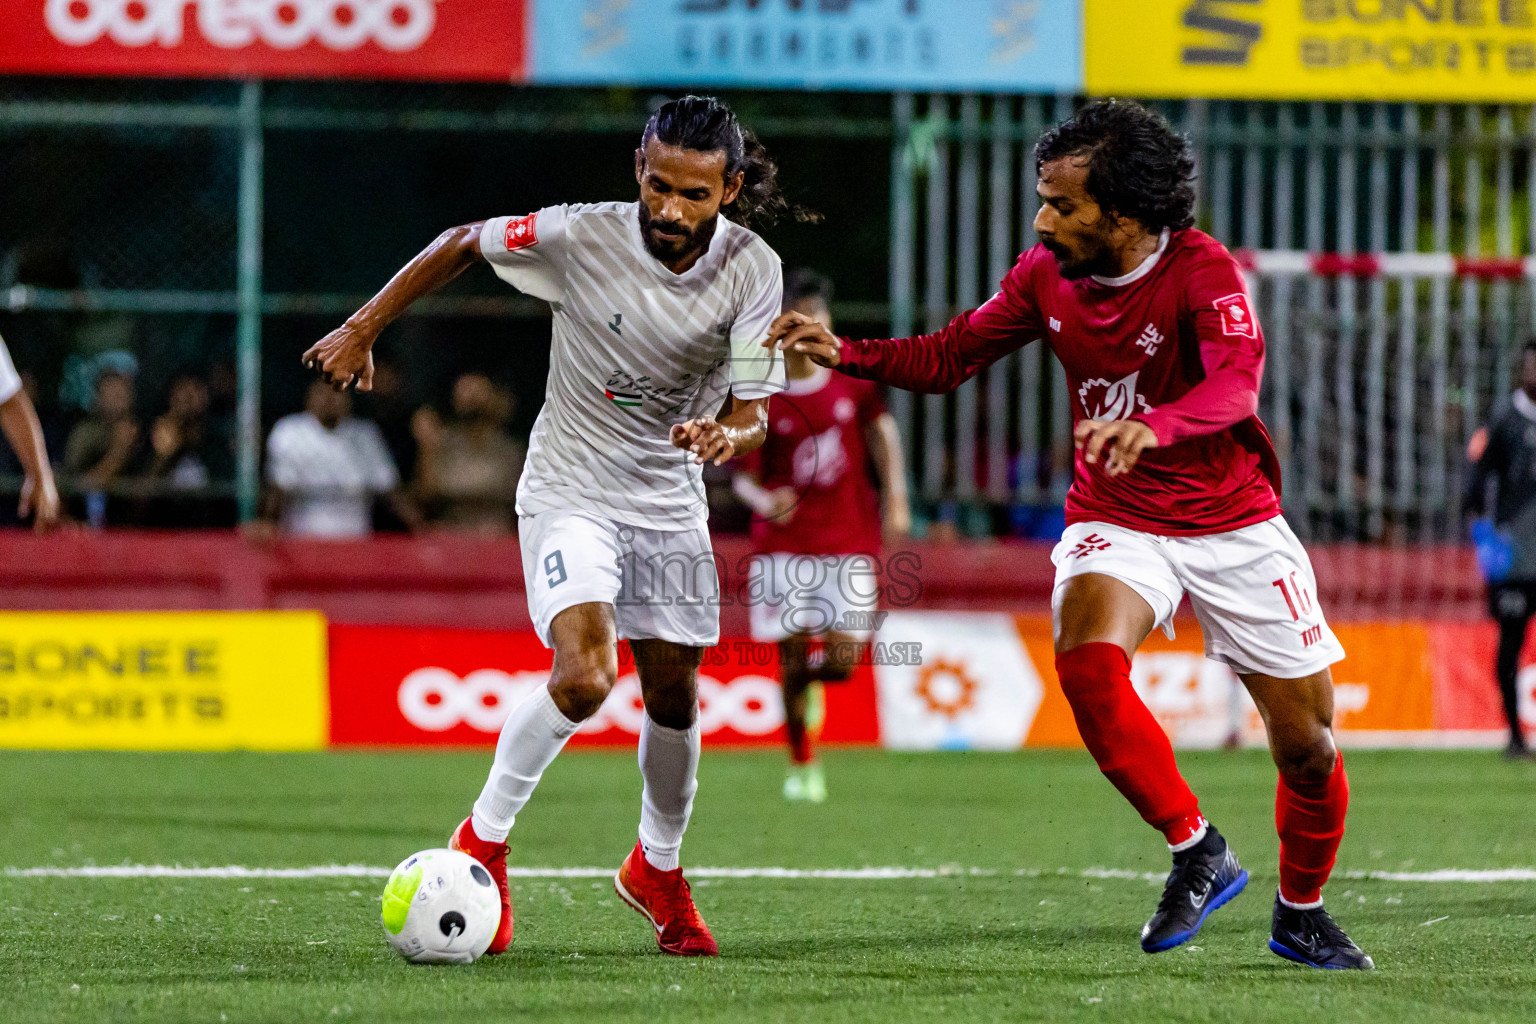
(480, 40)
(429, 687)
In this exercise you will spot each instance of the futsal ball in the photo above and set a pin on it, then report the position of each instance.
(441, 907)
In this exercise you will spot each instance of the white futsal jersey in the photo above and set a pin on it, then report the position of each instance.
(636, 349)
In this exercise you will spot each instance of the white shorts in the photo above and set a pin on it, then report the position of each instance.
(811, 595)
(662, 584)
(1252, 590)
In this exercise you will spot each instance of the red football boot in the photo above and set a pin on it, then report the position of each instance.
(494, 857)
(664, 898)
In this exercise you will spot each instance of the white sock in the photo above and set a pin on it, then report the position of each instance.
(1299, 906)
(669, 763)
(1193, 840)
(533, 734)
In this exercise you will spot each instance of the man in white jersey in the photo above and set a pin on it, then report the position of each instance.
(660, 308)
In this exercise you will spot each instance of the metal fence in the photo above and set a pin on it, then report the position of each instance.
(188, 221)
(1375, 381)
(184, 209)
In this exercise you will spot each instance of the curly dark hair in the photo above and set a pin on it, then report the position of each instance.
(1138, 166)
(707, 125)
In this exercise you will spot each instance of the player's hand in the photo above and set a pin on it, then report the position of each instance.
(896, 524)
(704, 439)
(42, 500)
(344, 357)
(1119, 443)
(797, 332)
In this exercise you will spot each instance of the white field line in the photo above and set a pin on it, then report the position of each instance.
(876, 874)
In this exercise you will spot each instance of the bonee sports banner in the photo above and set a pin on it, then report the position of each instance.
(1436, 50)
(163, 681)
(448, 40)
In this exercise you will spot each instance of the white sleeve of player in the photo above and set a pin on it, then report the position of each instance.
(757, 372)
(10, 380)
(526, 251)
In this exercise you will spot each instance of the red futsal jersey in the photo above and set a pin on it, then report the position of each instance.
(816, 446)
(1174, 344)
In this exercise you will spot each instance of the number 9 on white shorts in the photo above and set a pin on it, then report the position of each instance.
(662, 584)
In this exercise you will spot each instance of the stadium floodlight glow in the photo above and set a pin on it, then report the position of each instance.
(396, 25)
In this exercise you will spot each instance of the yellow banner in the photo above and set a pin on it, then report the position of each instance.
(1473, 50)
(163, 681)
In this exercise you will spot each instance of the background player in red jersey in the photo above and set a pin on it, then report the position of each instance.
(816, 528)
(1175, 491)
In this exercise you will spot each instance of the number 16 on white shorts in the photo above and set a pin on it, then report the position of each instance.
(1252, 590)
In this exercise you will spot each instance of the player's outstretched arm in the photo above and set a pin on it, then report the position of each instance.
(345, 356)
(39, 495)
(929, 363)
(738, 432)
(796, 332)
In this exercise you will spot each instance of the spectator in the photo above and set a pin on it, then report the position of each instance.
(105, 449)
(1504, 454)
(186, 454)
(468, 469)
(389, 405)
(325, 469)
(187, 458)
(223, 403)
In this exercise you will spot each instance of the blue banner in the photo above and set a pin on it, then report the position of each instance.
(949, 45)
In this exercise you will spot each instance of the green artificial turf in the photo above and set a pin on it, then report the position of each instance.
(1024, 936)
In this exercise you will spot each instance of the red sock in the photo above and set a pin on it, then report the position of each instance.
(1132, 750)
(1309, 815)
(800, 750)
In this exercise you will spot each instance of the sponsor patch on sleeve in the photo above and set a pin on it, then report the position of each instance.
(522, 232)
(1236, 316)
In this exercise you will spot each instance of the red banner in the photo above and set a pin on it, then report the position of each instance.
(952, 680)
(435, 687)
(435, 40)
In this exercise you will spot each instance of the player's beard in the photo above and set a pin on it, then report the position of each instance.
(1075, 267)
(675, 250)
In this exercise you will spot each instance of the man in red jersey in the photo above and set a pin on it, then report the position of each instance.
(1175, 491)
(816, 528)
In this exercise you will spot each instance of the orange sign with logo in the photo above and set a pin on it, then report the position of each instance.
(1385, 686)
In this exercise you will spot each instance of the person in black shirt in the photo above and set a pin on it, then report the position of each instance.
(1504, 455)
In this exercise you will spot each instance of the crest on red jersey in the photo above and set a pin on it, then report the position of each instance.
(1108, 401)
(1237, 316)
(522, 232)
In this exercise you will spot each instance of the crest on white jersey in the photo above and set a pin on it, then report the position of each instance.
(1107, 401)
